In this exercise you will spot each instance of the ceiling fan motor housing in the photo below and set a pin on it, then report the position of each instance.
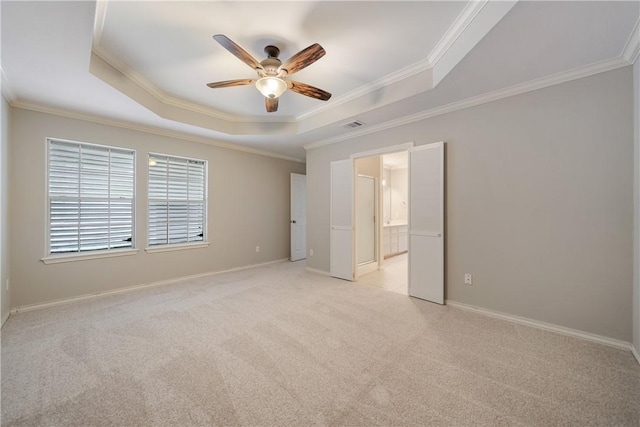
(271, 66)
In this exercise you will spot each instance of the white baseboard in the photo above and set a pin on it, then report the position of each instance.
(31, 307)
(4, 318)
(369, 267)
(543, 325)
(317, 271)
(635, 352)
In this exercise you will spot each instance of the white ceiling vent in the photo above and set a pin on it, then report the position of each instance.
(352, 125)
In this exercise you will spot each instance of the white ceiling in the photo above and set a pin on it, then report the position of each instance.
(146, 64)
(174, 51)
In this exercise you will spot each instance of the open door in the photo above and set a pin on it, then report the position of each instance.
(341, 217)
(298, 217)
(366, 239)
(426, 222)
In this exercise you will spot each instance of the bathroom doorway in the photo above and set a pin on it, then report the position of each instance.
(389, 269)
(425, 205)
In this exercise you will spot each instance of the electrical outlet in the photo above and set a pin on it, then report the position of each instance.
(6, 284)
(310, 252)
(257, 248)
(468, 279)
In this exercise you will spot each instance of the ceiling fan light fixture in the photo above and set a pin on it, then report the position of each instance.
(271, 70)
(271, 87)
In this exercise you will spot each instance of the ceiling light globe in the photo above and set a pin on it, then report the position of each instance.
(271, 87)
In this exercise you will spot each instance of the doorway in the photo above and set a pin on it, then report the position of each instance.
(425, 226)
(392, 269)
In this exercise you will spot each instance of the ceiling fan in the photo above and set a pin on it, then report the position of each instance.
(272, 72)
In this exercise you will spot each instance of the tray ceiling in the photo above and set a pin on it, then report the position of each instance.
(146, 64)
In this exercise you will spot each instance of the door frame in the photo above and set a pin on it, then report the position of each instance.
(410, 147)
(373, 265)
(406, 146)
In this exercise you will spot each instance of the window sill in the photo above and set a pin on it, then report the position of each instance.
(177, 247)
(56, 259)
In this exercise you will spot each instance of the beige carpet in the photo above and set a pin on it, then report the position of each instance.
(277, 346)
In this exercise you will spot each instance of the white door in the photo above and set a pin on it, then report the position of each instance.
(426, 222)
(298, 217)
(341, 220)
(365, 219)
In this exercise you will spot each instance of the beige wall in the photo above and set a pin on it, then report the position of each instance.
(369, 166)
(539, 203)
(386, 195)
(5, 295)
(248, 207)
(636, 207)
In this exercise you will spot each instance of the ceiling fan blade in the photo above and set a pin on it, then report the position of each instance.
(239, 52)
(303, 59)
(307, 90)
(272, 104)
(230, 83)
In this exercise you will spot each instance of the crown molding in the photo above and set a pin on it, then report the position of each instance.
(387, 80)
(466, 16)
(98, 22)
(453, 33)
(540, 83)
(632, 47)
(154, 91)
(457, 28)
(148, 129)
(7, 88)
(159, 95)
(475, 22)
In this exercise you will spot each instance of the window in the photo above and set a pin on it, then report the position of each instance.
(177, 200)
(91, 197)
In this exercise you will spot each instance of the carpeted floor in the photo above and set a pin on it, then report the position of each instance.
(277, 346)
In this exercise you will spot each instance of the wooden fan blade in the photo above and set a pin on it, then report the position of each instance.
(230, 83)
(239, 52)
(307, 90)
(272, 104)
(303, 59)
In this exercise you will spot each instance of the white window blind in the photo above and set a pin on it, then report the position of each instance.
(177, 200)
(91, 197)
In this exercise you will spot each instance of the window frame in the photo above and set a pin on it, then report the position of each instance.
(205, 208)
(54, 258)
